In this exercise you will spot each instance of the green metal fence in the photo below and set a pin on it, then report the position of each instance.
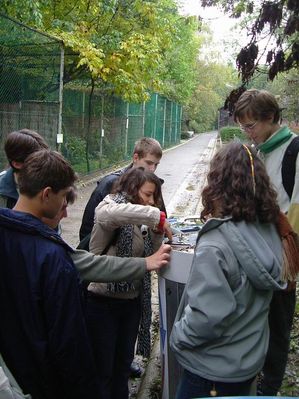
(105, 134)
(94, 131)
(30, 81)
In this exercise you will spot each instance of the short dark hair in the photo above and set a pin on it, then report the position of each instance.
(21, 143)
(232, 191)
(147, 145)
(131, 181)
(257, 104)
(45, 168)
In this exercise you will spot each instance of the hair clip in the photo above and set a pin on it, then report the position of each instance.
(251, 166)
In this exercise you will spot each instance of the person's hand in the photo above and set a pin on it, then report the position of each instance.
(158, 259)
(167, 230)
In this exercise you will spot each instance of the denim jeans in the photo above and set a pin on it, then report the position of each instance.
(281, 316)
(113, 327)
(193, 386)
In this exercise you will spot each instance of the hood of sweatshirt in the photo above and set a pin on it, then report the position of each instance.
(258, 249)
(7, 184)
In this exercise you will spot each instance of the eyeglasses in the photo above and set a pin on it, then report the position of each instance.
(250, 126)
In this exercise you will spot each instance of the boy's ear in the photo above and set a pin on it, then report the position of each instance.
(16, 165)
(45, 194)
(135, 157)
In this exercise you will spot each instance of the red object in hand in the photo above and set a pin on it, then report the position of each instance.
(162, 221)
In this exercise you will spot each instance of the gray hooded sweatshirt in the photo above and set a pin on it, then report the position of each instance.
(221, 329)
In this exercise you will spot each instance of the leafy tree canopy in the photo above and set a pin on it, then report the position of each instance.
(214, 82)
(285, 87)
(273, 21)
(124, 45)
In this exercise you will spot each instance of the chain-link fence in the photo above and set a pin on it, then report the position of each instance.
(98, 130)
(30, 81)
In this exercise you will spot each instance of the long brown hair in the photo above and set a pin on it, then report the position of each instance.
(131, 182)
(238, 186)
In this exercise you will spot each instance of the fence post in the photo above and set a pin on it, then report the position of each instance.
(155, 114)
(83, 110)
(180, 121)
(171, 123)
(143, 118)
(164, 123)
(176, 124)
(127, 131)
(102, 133)
(59, 138)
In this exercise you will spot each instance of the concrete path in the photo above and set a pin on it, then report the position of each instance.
(184, 170)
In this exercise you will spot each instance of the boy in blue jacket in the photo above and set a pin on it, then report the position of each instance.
(43, 336)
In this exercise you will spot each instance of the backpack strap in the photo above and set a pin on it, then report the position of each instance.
(288, 166)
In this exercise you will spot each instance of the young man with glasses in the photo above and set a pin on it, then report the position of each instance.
(258, 114)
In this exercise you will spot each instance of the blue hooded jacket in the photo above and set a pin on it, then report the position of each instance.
(8, 189)
(43, 337)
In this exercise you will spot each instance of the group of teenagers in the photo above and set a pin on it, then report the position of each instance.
(72, 319)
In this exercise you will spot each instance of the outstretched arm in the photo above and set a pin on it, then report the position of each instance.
(103, 268)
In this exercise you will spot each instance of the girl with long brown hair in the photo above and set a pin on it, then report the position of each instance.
(128, 223)
(220, 335)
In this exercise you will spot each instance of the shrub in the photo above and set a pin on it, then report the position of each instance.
(228, 133)
(74, 149)
(194, 126)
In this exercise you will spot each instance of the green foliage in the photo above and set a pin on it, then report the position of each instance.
(228, 133)
(274, 22)
(74, 149)
(285, 87)
(129, 47)
(181, 61)
(81, 167)
(198, 127)
(213, 84)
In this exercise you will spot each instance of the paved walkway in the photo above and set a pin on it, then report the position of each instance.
(184, 170)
